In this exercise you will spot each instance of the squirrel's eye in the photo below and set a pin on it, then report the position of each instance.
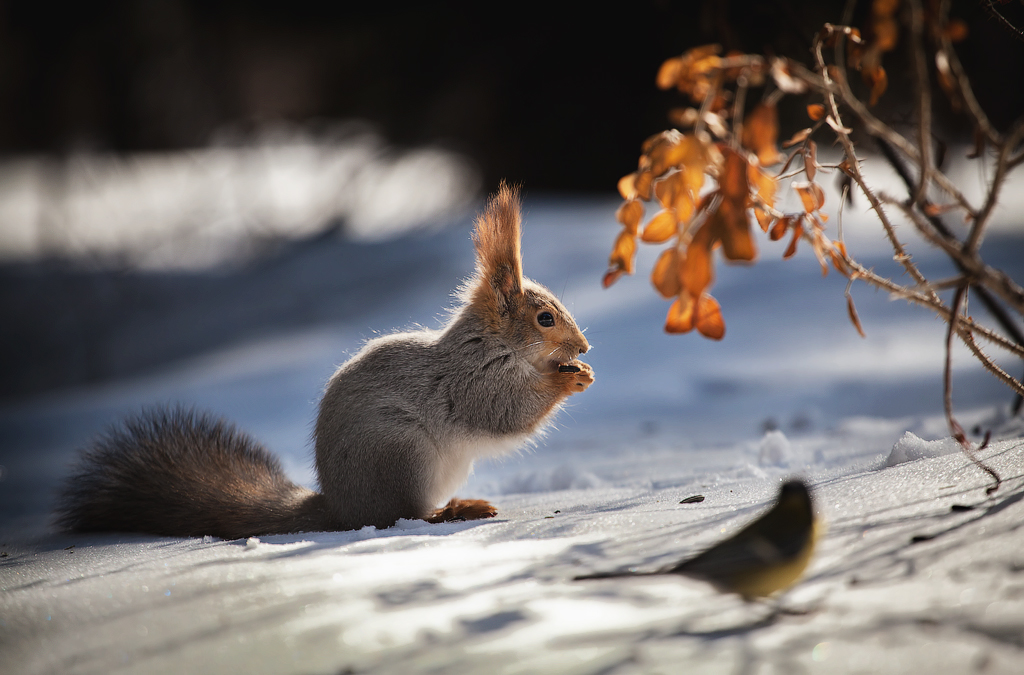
(546, 319)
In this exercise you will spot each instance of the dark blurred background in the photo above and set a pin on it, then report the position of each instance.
(557, 97)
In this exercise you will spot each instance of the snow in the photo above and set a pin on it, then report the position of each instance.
(918, 571)
(910, 447)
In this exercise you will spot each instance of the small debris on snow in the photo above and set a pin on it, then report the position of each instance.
(694, 499)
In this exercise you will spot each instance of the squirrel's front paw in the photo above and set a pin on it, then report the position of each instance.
(581, 373)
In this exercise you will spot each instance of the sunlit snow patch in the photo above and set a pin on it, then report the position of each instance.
(911, 447)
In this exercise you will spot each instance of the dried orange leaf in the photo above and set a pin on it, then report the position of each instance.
(798, 137)
(643, 184)
(696, 270)
(766, 185)
(668, 74)
(692, 157)
(733, 229)
(660, 228)
(885, 35)
(798, 231)
(819, 195)
(779, 229)
(684, 207)
(668, 153)
(853, 315)
(651, 141)
(627, 186)
(680, 315)
(764, 219)
(718, 104)
(761, 131)
(837, 260)
(734, 177)
(623, 252)
(610, 277)
(665, 275)
(816, 111)
(630, 214)
(811, 160)
(730, 223)
(700, 68)
(811, 195)
(878, 80)
(708, 318)
(938, 209)
(956, 30)
(666, 189)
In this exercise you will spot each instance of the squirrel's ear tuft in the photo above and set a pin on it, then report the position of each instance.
(498, 257)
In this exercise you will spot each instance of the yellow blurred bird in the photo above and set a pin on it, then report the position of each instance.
(766, 556)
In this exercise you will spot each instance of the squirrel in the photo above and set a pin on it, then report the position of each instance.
(398, 429)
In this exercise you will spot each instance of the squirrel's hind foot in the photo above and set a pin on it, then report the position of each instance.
(462, 509)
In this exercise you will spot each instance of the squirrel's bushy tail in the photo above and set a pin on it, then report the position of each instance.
(181, 473)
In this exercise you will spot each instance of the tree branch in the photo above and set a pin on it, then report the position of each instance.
(963, 83)
(924, 98)
(955, 430)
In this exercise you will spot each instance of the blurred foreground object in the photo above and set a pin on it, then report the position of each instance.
(766, 556)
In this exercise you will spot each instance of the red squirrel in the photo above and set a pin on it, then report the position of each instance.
(398, 429)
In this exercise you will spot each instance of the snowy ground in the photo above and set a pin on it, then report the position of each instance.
(918, 570)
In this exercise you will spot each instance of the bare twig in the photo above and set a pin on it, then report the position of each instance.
(853, 168)
(936, 305)
(990, 278)
(955, 430)
(924, 98)
(991, 7)
(1002, 169)
(997, 311)
(963, 255)
(737, 108)
(963, 83)
(872, 124)
(990, 365)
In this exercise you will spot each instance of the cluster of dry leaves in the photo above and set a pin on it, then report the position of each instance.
(713, 179)
(719, 172)
(712, 183)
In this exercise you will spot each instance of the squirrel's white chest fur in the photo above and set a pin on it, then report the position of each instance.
(454, 462)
